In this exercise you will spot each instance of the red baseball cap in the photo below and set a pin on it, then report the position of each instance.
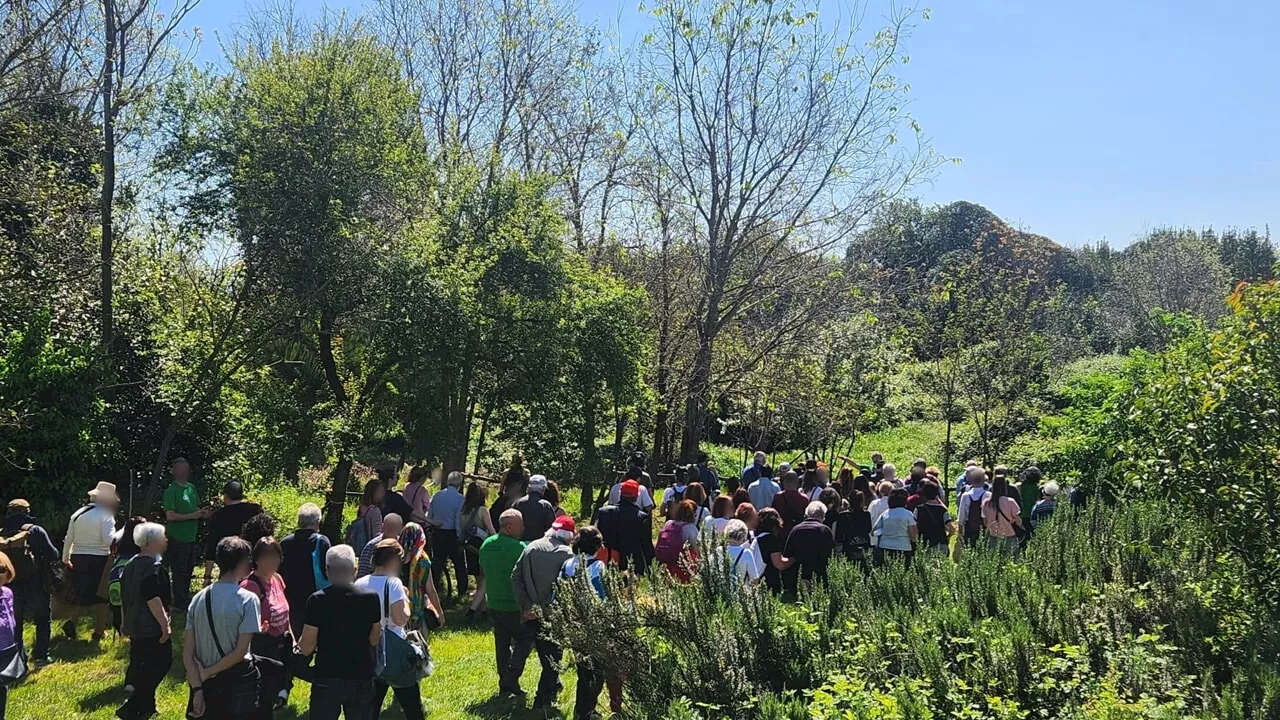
(630, 490)
(564, 522)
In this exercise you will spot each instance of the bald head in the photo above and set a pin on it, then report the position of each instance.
(511, 523)
(392, 525)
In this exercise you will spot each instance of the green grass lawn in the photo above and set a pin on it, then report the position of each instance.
(87, 681)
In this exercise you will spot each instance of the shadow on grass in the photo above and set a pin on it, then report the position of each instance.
(497, 707)
(108, 697)
(74, 651)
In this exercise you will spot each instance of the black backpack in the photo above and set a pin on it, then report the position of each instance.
(973, 523)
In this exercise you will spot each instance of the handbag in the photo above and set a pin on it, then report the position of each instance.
(244, 689)
(402, 661)
(13, 665)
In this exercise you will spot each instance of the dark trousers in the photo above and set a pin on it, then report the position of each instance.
(507, 629)
(4, 700)
(587, 694)
(277, 648)
(446, 548)
(333, 696)
(149, 662)
(409, 699)
(31, 599)
(549, 654)
(181, 557)
(220, 690)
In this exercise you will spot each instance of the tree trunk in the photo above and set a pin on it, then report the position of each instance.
(695, 411)
(108, 174)
(484, 431)
(946, 453)
(337, 499)
(590, 467)
(162, 457)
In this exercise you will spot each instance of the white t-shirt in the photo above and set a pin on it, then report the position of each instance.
(645, 501)
(743, 562)
(395, 592)
(669, 494)
(715, 525)
(878, 507)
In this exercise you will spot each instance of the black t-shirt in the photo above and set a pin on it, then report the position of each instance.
(931, 523)
(226, 521)
(394, 502)
(344, 616)
(810, 545)
(853, 529)
(770, 543)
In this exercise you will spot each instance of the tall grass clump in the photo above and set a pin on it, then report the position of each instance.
(1123, 612)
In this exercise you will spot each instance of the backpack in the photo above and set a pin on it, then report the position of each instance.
(973, 524)
(357, 535)
(670, 545)
(317, 566)
(15, 546)
(677, 497)
(113, 580)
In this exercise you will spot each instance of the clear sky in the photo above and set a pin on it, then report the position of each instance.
(1081, 120)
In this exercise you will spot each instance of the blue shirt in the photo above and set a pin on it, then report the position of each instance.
(594, 569)
(892, 529)
(762, 491)
(446, 509)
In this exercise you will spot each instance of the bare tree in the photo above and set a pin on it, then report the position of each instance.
(781, 135)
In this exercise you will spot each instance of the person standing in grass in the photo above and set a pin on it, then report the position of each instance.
(424, 604)
(790, 503)
(627, 530)
(394, 614)
(591, 680)
(342, 628)
(761, 490)
(221, 622)
(86, 550)
(227, 521)
(302, 566)
(933, 520)
(446, 546)
(182, 516)
(8, 622)
(810, 544)
(1043, 510)
(33, 575)
(498, 557)
(474, 527)
(276, 639)
(145, 597)
(532, 582)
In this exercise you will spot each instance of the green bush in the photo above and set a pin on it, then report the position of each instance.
(1123, 612)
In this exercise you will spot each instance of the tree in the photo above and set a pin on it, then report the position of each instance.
(780, 135)
(1167, 272)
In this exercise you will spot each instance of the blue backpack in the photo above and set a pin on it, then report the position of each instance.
(357, 535)
(317, 566)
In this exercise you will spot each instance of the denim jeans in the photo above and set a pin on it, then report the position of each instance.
(329, 696)
(181, 557)
(31, 599)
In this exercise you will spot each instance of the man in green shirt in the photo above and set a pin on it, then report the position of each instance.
(182, 514)
(498, 557)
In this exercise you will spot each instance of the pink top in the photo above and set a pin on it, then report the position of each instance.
(275, 607)
(419, 498)
(999, 523)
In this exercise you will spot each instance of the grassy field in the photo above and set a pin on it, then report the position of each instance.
(86, 681)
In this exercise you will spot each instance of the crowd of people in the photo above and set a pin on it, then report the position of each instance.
(342, 616)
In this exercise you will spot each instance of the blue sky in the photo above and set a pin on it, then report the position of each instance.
(1081, 120)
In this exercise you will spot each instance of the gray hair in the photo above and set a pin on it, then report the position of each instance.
(784, 468)
(889, 468)
(735, 531)
(309, 516)
(1051, 489)
(538, 483)
(340, 561)
(815, 511)
(147, 533)
(455, 479)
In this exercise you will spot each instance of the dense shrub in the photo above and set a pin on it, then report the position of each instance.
(1126, 612)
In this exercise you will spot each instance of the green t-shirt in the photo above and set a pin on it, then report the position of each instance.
(1030, 494)
(182, 500)
(498, 557)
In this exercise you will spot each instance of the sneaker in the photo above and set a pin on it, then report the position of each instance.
(471, 615)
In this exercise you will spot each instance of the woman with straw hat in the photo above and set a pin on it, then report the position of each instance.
(85, 550)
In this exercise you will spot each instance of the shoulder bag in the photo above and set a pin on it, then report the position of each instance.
(13, 665)
(402, 661)
(243, 683)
